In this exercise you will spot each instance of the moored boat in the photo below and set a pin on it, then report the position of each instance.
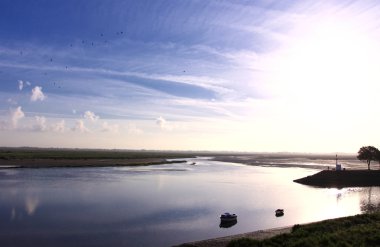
(279, 212)
(228, 217)
(227, 224)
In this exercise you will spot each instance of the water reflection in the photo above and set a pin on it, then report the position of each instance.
(31, 204)
(371, 203)
(161, 205)
(227, 224)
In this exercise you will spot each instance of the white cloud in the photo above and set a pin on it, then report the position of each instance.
(40, 124)
(16, 115)
(59, 127)
(20, 85)
(134, 130)
(106, 127)
(37, 94)
(90, 116)
(79, 126)
(164, 125)
(160, 121)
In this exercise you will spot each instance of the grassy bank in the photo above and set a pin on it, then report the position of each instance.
(50, 157)
(57, 153)
(359, 230)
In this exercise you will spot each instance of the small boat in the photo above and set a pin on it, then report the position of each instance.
(227, 217)
(227, 224)
(279, 212)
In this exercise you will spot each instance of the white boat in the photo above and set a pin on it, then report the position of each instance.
(228, 217)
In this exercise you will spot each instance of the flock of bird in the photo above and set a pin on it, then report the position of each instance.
(84, 42)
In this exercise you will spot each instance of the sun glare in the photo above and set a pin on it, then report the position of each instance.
(332, 59)
(330, 66)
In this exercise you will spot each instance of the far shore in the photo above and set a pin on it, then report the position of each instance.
(56, 157)
(55, 163)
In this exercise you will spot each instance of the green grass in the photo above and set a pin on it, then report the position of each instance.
(52, 153)
(359, 230)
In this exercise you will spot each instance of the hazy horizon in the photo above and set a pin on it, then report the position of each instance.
(242, 76)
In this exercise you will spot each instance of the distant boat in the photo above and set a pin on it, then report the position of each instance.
(193, 164)
(227, 217)
(279, 212)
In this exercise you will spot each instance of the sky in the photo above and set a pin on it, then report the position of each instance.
(226, 75)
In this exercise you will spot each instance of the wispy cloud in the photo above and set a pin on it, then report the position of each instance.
(91, 116)
(40, 123)
(59, 126)
(16, 115)
(20, 85)
(161, 122)
(106, 127)
(134, 130)
(80, 127)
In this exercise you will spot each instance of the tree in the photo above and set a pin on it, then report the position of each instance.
(368, 154)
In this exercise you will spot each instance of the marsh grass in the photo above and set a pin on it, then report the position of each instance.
(359, 230)
(52, 153)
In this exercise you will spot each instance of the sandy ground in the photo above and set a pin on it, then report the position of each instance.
(223, 241)
(43, 163)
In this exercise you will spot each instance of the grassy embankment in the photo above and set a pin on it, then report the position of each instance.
(359, 230)
(340, 179)
(50, 157)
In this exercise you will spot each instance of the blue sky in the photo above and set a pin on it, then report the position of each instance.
(264, 75)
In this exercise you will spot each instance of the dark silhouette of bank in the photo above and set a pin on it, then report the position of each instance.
(340, 177)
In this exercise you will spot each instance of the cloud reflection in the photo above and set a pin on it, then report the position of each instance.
(31, 204)
(13, 214)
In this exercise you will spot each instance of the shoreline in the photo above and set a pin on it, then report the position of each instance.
(224, 241)
(73, 163)
(341, 179)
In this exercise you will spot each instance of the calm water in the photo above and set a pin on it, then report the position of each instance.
(160, 205)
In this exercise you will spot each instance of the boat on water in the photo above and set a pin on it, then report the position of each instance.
(279, 212)
(227, 217)
(227, 224)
